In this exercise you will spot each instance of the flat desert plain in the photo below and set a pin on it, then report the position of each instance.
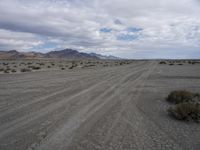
(118, 107)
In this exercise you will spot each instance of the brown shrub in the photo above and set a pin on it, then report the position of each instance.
(187, 111)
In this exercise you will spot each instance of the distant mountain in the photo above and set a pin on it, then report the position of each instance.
(69, 53)
(13, 54)
(65, 54)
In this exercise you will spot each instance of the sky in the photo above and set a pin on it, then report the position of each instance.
(123, 28)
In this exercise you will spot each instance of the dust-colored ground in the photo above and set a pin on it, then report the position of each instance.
(121, 107)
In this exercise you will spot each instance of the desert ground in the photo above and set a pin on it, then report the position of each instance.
(94, 105)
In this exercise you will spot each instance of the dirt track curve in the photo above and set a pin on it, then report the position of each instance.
(80, 110)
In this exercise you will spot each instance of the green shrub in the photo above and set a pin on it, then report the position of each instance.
(186, 111)
(181, 96)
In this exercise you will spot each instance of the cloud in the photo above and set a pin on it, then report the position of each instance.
(119, 27)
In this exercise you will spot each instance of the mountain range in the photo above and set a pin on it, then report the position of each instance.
(64, 54)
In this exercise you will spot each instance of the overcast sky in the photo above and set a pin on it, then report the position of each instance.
(124, 28)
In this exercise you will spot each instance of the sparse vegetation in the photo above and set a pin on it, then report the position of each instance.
(35, 67)
(187, 105)
(71, 67)
(187, 111)
(181, 96)
(6, 71)
(25, 70)
(13, 70)
(162, 62)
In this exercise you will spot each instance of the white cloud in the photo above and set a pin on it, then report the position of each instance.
(167, 25)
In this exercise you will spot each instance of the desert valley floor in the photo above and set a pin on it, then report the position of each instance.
(98, 108)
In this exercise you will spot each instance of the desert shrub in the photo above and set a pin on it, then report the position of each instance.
(35, 67)
(25, 70)
(6, 71)
(8, 68)
(171, 64)
(13, 70)
(41, 64)
(181, 96)
(180, 64)
(71, 67)
(162, 62)
(29, 63)
(62, 68)
(5, 64)
(186, 111)
(1, 69)
(48, 66)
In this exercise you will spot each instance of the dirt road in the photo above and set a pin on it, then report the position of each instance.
(86, 110)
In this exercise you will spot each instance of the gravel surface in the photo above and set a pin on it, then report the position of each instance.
(113, 108)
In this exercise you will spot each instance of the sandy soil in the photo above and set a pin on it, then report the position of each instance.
(113, 108)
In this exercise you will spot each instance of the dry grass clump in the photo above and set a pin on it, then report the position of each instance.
(181, 96)
(187, 105)
(187, 111)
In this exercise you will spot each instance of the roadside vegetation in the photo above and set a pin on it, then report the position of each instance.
(179, 62)
(186, 105)
(187, 111)
(22, 66)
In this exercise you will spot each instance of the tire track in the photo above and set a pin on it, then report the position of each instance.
(82, 116)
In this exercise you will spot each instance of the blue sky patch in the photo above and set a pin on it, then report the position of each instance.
(127, 37)
(133, 29)
(105, 30)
